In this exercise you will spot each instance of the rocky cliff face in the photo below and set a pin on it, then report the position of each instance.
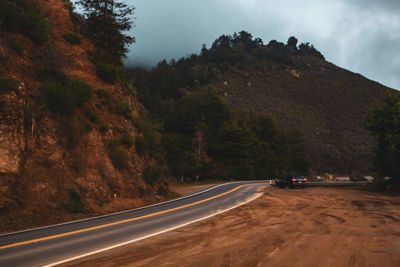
(52, 167)
(12, 130)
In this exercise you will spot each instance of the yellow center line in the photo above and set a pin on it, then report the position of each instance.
(118, 222)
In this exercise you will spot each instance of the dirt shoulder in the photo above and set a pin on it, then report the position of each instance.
(310, 227)
(186, 189)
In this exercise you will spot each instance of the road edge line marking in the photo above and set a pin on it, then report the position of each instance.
(151, 235)
(118, 222)
(123, 211)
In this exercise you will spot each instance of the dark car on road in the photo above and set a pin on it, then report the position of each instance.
(292, 181)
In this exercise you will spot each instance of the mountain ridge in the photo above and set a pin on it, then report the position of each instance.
(327, 105)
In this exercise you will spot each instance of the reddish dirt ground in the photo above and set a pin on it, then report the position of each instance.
(186, 189)
(301, 227)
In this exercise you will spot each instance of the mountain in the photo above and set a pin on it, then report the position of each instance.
(78, 139)
(67, 124)
(324, 105)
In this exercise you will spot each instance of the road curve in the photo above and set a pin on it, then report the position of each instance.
(64, 242)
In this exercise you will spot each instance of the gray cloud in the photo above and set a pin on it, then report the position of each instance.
(360, 35)
(392, 6)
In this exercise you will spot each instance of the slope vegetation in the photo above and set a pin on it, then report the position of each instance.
(326, 104)
(66, 136)
(319, 109)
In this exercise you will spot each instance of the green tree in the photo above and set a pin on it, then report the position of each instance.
(180, 156)
(292, 43)
(234, 146)
(384, 124)
(297, 156)
(306, 49)
(271, 153)
(200, 146)
(107, 24)
(247, 40)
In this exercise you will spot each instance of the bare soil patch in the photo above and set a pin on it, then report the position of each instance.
(186, 189)
(301, 227)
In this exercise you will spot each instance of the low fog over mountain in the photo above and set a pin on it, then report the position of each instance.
(362, 36)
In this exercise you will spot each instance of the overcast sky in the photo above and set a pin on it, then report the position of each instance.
(360, 35)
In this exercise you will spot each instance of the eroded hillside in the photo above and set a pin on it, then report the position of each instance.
(67, 137)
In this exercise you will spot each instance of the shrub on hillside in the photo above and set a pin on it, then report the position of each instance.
(82, 91)
(162, 191)
(120, 157)
(60, 99)
(104, 128)
(140, 145)
(86, 128)
(127, 86)
(103, 93)
(64, 100)
(152, 174)
(8, 84)
(72, 38)
(25, 17)
(112, 143)
(127, 140)
(75, 204)
(34, 25)
(92, 116)
(15, 45)
(152, 140)
(151, 137)
(107, 72)
(124, 109)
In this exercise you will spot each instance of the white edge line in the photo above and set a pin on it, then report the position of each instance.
(125, 211)
(151, 235)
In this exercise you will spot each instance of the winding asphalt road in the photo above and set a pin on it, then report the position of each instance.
(65, 242)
